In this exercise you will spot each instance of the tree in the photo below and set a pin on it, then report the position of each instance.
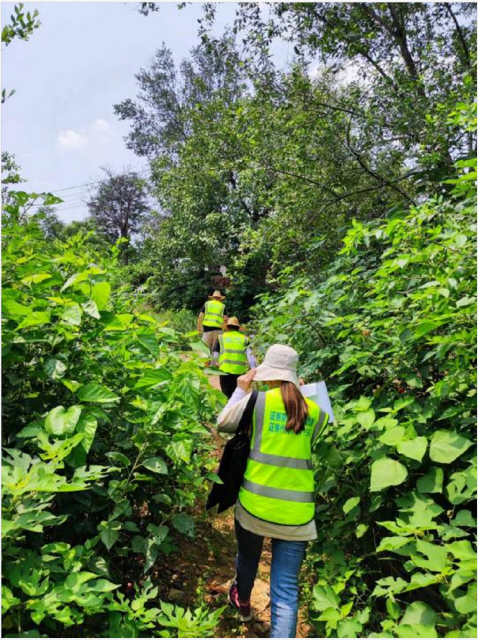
(21, 26)
(119, 206)
(412, 58)
(161, 117)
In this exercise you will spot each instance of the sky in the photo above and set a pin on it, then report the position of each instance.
(60, 123)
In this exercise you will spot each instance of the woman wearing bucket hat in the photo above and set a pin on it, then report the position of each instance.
(276, 499)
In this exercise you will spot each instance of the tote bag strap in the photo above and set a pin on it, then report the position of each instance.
(246, 419)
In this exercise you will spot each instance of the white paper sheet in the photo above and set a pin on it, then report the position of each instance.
(317, 392)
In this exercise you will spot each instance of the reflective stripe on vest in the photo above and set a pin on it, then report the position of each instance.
(214, 314)
(278, 484)
(232, 356)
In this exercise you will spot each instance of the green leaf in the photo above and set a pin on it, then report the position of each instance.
(350, 504)
(94, 392)
(414, 449)
(387, 473)
(325, 598)
(55, 369)
(90, 307)
(432, 482)
(184, 524)
(427, 327)
(349, 629)
(153, 377)
(72, 314)
(159, 533)
(35, 318)
(60, 422)
(110, 533)
(100, 294)
(419, 613)
(366, 418)
(447, 446)
(103, 586)
(393, 436)
(156, 464)
(87, 425)
(361, 530)
(467, 603)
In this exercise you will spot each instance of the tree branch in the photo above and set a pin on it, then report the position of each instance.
(460, 34)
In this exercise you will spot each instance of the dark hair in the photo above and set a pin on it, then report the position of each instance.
(295, 407)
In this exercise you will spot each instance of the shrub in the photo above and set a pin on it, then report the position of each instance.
(104, 441)
(392, 329)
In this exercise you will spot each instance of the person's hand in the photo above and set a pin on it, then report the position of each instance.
(301, 382)
(244, 381)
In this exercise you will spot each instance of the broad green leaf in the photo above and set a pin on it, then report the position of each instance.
(60, 422)
(155, 464)
(467, 603)
(386, 473)
(447, 446)
(94, 392)
(35, 318)
(37, 277)
(361, 530)
(54, 368)
(366, 418)
(351, 504)
(150, 341)
(72, 314)
(349, 629)
(392, 543)
(325, 598)
(102, 585)
(159, 533)
(87, 424)
(414, 449)
(110, 533)
(428, 326)
(90, 307)
(432, 482)
(119, 457)
(184, 524)
(153, 377)
(419, 613)
(100, 294)
(393, 436)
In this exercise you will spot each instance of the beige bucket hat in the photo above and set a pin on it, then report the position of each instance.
(280, 363)
(217, 294)
(233, 321)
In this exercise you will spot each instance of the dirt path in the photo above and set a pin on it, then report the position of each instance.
(202, 569)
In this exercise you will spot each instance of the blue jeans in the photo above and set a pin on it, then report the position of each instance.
(287, 557)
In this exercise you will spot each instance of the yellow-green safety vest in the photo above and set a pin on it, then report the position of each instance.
(278, 484)
(232, 352)
(214, 316)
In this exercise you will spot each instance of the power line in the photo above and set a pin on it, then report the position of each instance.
(86, 184)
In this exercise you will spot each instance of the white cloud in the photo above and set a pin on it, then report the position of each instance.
(70, 140)
(98, 133)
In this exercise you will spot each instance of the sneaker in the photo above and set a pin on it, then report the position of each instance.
(243, 608)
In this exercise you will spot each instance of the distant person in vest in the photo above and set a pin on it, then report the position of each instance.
(235, 356)
(212, 318)
(276, 499)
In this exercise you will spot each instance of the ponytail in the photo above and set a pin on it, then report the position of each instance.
(295, 407)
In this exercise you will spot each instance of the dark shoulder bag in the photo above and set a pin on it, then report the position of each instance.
(233, 462)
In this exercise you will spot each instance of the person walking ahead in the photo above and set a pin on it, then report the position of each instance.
(276, 499)
(234, 356)
(211, 319)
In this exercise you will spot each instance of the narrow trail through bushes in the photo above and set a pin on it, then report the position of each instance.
(201, 571)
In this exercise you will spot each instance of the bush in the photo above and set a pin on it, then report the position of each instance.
(104, 436)
(392, 329)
